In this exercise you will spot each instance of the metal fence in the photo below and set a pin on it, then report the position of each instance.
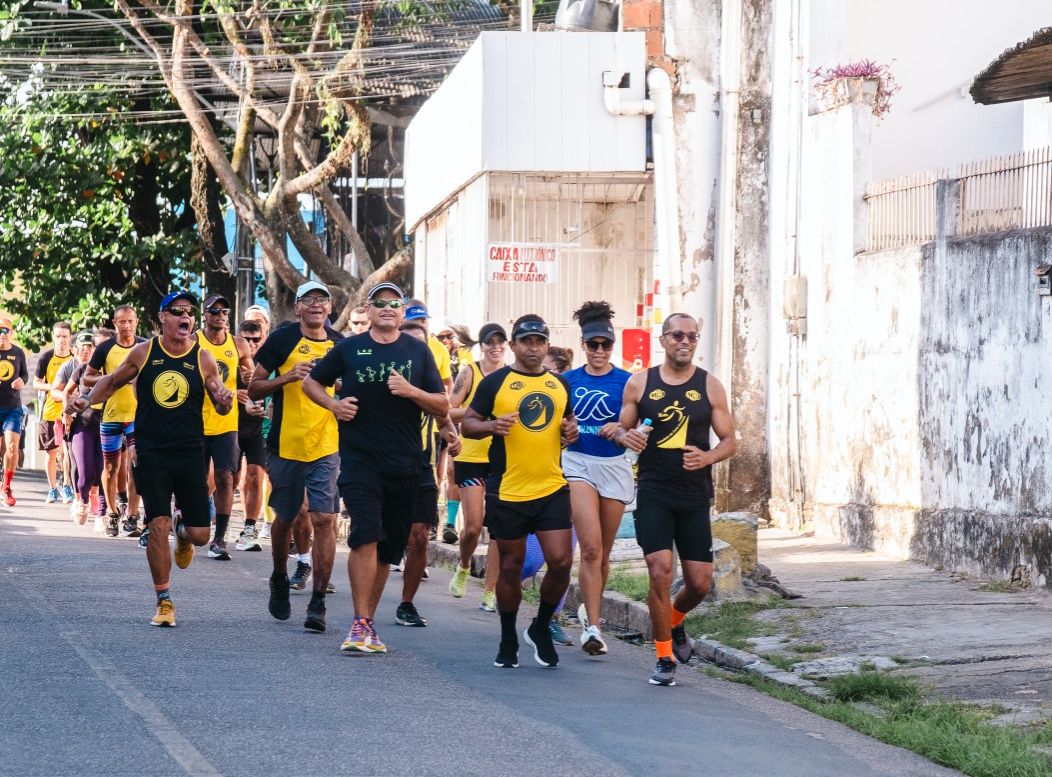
(1006, 192)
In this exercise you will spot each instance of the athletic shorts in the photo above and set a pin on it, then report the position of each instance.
(11, 419)
(664, 518)
(514, 520)
(222, 451)
(470, 473)
(253, 449)
(291, 481)
(611, 476)
(48, 438)
(381, 507)
(160, 475)
(116, 435)
(426, 509)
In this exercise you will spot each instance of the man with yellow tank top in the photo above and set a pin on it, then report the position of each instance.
(118, 423)
(527, 411)
(471, 467)
(50, 437)
(221, 452)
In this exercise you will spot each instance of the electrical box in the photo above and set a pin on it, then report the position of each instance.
(794, 305)
(1044, 280)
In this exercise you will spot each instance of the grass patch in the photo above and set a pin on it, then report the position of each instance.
(785, 663)
(852, 579)
(531, 593)
(999, 587)
(632, 584)
(807, 647)
(732, 622)
(949, 733)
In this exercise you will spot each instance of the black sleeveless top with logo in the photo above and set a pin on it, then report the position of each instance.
(680, 415)
(171, 394)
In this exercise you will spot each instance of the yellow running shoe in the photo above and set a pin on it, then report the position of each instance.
(459, 584)
(184, 551)
(489, 602)
(165, 615)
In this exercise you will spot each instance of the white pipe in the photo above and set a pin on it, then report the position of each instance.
(618, 107)
(526, 15)
(730, 45)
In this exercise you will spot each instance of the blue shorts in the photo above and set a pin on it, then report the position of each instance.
(116, 435)
(11, 419)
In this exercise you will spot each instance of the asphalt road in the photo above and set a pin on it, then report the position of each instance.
(87, 687)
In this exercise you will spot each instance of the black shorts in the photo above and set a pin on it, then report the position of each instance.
(514, 520)
(160, 475)
(293, 482)
(664, 518)
(222, 451)
(470, 473)
(48, 438)
(381, 507)
(253, 449)
(426, 508)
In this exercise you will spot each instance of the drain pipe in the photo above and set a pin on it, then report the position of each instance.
(667, 270)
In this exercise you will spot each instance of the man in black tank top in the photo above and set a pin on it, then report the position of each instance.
(172, 374)
(681, 403)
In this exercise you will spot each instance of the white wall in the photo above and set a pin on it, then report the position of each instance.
(936, 48)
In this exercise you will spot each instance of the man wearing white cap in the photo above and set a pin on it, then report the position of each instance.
(303, 461)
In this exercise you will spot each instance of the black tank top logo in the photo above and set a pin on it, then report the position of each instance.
(170, 389)
(680, 415)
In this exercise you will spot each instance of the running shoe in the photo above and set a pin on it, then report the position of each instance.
(279, 596)
(165, 615)
(299, 578)
(582, 615)
(67, 494)
(374, 639)
(100, 524)
(540, 639)
(449, 534)
(358, 638)
(264, 531)
(425, 575)
(406, 615)
(559, 637)
(144, 538)
(489, 602)
(330, 588)
(9, 497)
(664, 672)
(184, 551)
(507, 655)
(122, 507)
(113, 525)
(52, 496)
(682, 649)
(131, 527)
(247, 539)
(80, 513)
(218, 550)
(315, 613)
(592, 641)
(458, 586)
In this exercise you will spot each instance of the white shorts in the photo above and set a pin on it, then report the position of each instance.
(611, 476)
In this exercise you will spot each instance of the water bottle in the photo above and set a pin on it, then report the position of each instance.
(644, 428)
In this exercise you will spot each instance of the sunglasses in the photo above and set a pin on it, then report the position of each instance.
(218, 311)
(182, 310)
(316, 299)
(251, 339)
(446, 336)
(679, 337)
(380, 304)
(598, 345)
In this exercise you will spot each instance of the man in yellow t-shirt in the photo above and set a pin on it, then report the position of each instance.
(50, 437)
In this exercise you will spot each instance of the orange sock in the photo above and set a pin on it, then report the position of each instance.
(677, 617)
(664, 649)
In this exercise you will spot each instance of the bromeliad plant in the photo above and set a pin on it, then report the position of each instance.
(844, 83)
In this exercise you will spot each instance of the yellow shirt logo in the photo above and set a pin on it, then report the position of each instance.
(7, 370)
(657, 394)
(693, 395)
(536, 411)
(170, 389)
(677, 438)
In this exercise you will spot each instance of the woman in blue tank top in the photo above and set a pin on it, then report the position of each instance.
(599, 476)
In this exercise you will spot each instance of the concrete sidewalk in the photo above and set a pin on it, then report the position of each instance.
(972, 644)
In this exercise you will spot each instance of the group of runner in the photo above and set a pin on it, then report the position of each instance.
(366, 420)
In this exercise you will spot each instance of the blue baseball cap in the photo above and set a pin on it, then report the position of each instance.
(172, 296)
(416, 313)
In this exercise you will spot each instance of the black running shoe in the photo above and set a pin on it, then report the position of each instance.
(315, 613)
(664, 672)
(406, 615)
(449, 534)
(130, 528)
(541, 642)
(299, 578)
(507, 656)
(279, 597)
(682, 649)
(144, 538)
(113, 525)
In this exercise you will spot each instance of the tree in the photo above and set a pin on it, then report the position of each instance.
(253, 50)
(94, 209)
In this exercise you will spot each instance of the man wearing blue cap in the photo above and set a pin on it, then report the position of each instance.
(172, 376)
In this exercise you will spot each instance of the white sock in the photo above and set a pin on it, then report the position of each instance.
(305, 558)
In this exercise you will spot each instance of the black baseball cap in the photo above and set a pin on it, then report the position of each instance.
(488, 330)
(600, 328)
(385, 285)
(530, 327)
(212, 299)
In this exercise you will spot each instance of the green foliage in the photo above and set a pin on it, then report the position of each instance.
(873, 686)
(732, 622)
(634, 585)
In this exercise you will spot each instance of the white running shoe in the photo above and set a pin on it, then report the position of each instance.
(582, 615)
(592, 641)
(100, 524)
(264, 531)
(247, 539)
